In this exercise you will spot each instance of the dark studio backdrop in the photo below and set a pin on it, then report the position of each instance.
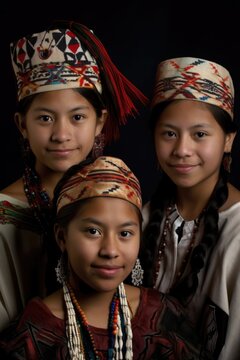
(138, 35)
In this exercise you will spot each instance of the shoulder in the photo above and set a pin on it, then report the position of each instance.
(156, 305)
(233, 197)
(16, 212)
(35, 331)
(37, 316)
(55, 303)
(161, 302)
(151, 303)
(163, 323)
(15, 190)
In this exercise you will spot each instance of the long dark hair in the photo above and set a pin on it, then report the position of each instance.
(165, 194)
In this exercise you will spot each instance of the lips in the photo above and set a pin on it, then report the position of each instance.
(183, 168)
(61, 152)
(107, 266)
(107, 271)
(182, 165)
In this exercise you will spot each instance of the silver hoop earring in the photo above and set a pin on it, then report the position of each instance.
(137, 274)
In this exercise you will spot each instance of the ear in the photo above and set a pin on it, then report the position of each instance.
(21, 124)
(229, 142)
(59, 232)
(101, 121)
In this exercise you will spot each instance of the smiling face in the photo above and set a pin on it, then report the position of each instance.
(190, 144)
(61, 126)
(102, 242)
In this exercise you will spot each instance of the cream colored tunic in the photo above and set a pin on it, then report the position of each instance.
(219, 281)
(22, 258)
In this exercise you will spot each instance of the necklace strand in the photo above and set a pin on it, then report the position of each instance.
(167, 229)
(38, 199)
(90, 350)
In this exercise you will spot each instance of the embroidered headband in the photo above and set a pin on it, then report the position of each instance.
(53, 60)
(194, 79)
(105, 177)
(66, 56)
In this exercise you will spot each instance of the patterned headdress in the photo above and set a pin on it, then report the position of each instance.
(53, 60)
(105, 177)
(194, 79)
(69, 56)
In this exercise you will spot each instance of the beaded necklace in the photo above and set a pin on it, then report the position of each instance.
(167, 229)
(118, 328)
(38, 199)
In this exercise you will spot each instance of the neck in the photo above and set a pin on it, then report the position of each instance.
(49, 179)
(96, 307)
(191, 202)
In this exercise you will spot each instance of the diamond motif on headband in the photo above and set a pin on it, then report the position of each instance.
(53, 60)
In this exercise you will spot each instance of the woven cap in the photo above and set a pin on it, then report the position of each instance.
(105, 177)
(53, 60)
(194, 79)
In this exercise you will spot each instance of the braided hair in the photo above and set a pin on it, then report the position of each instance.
(165, 194)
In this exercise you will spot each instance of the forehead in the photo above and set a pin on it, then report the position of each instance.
(182, 112)
(103, 205)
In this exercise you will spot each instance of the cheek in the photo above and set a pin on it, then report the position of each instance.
(162, 150)
(86, 136)
(131, 252)
(78, 256)
(213, 151)
(36, 137)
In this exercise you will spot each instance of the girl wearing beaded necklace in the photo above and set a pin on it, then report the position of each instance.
(71, 99)
(95, 316)
(191, 225)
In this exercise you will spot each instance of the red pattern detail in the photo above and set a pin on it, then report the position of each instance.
(158, 333)
(73, 46)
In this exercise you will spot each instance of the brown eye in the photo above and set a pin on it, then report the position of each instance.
(78, 117)
(125, 233)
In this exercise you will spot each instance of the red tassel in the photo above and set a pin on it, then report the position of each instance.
(120, 92)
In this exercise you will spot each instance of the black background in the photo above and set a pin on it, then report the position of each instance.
(138, 35)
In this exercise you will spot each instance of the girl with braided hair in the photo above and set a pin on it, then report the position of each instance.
(192, 222)
(71, 100)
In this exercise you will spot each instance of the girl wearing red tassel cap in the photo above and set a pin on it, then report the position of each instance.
(71, 101)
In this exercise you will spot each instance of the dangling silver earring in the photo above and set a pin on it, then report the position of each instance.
(61, 270)
(137, 274)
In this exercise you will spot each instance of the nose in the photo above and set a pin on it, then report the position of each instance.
(183, 146)
(61, 131)
(109, 248)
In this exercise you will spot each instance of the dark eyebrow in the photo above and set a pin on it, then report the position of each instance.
(97, 222)
(201, 125)
(77, 108)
